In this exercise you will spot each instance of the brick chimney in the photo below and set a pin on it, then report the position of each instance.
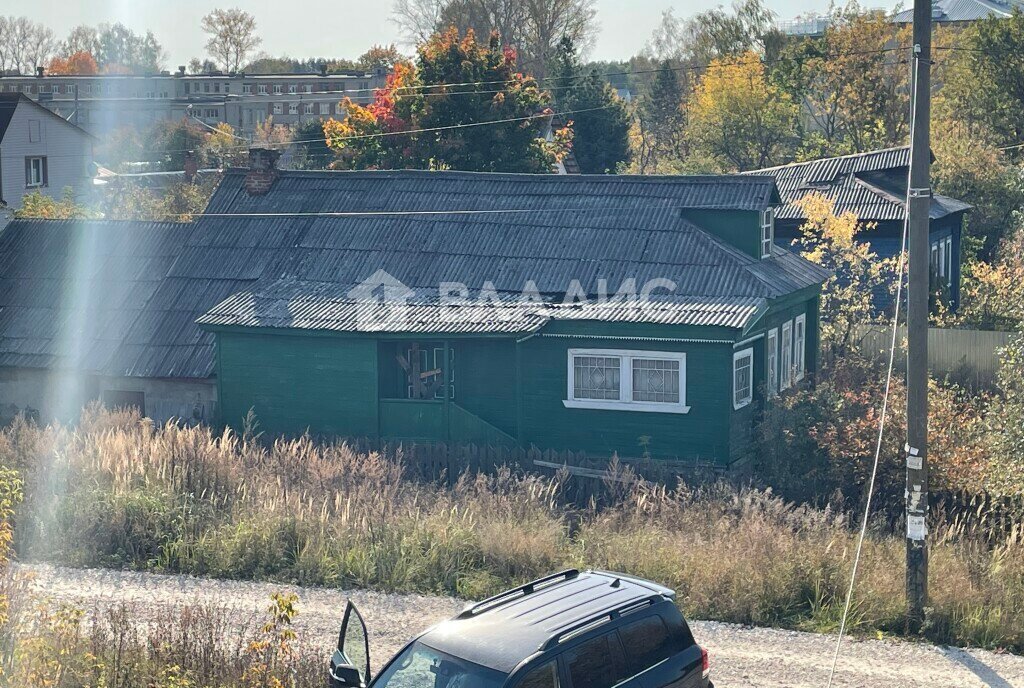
(191, 167)
(262, 170)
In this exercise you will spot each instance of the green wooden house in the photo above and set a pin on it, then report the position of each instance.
(470, 308)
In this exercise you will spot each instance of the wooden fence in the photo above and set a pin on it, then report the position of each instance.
(586, 478)
(968, 357)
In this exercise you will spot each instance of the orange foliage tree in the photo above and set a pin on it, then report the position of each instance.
(81, 62)
(480, 113)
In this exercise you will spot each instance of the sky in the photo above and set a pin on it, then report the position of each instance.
(343, 28)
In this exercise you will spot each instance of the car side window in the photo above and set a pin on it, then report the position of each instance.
(597, 663)
(545, 676)
(646, 642)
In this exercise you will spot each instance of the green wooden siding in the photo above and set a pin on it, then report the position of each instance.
(700, 434)
(412, 419)
(739, 228)
(325, 384)
(485, 380)
(504, 390)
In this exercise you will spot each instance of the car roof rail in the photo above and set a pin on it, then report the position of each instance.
(516, 593)
(590, 622)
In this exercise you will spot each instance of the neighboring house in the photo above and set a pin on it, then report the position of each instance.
(872, 186)
(290, 323)
(39, 151)
(101, 103)
(961, 12)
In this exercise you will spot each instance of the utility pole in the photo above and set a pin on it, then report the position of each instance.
(918, 205)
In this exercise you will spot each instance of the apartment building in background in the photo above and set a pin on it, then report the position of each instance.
(102, 103)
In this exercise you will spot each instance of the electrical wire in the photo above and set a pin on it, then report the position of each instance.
(885, 400)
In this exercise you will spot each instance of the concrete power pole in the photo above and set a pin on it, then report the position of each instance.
(917, 319)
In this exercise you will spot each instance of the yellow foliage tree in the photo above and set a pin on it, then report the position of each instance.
(740, 119)
(40, 206)
(830, 240)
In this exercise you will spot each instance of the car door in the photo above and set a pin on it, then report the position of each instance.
(596, 663)
(660, 656)
(350, 664)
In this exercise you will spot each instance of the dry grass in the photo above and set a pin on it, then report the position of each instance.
(119, 492)
(130, 646)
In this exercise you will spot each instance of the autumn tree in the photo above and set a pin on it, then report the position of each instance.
(40, 206)
(853, 85)
(738, 118)
(493, 122)
(969, 165)
(80, 62)
(380, 57)
(714, 34)
(232, 37)
(832, 241)
(984, 83)
(532, 27)
(600, 118)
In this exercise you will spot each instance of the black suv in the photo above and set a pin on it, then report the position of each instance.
(568, 630)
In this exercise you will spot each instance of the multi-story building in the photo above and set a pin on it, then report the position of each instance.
(102, 103)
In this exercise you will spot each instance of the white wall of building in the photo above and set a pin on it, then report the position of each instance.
(67, 150)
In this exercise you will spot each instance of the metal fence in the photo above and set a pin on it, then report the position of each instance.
(968, 357)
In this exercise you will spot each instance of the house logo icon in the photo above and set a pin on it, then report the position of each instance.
(381, 287)
(384, 301)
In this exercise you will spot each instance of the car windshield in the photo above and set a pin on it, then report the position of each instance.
(420, 666)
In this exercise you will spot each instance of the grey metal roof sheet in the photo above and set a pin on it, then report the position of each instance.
(417, 190)
(122, 298)
(869, 185)
(298, 304)
(945, 11)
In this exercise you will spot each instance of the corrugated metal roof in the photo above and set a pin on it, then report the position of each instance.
(77, 294)
(298, 304)
(122, 298)
(416, 190)
(869, 185)
(944, 11)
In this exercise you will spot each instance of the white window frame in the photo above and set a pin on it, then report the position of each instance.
(309, 109)
(261, 89)
(747, 353)
(292, 88)
(279, 108)
(771, 361)
(293, 108)
(325, 108)
(36, 163)
(625, 402)
(949, 261)
(786, 356)
(277, 89)
(800, 345)
(767, 231)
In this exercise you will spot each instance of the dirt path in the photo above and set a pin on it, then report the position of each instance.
(741, 657)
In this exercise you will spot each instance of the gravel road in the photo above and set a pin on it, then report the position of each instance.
(741, 657)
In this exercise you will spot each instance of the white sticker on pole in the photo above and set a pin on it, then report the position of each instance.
(916, 528)
(915, 463)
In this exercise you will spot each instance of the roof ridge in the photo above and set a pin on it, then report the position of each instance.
(739, 178)
(849, 156)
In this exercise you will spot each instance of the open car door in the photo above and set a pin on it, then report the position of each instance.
(350, 665)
